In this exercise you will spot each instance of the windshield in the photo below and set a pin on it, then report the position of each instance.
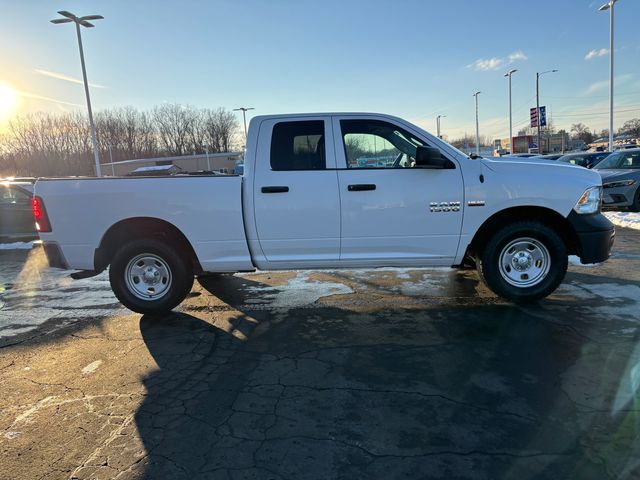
(584, 159)
(621, 160)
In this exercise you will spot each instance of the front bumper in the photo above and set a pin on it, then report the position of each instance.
(619, 196)
(595, 235)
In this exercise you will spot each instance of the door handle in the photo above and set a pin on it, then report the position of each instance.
(275, 189)
(361, 187)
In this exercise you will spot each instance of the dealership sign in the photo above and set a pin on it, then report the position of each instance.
(533, 113)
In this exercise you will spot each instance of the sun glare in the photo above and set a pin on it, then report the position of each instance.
(8, 101)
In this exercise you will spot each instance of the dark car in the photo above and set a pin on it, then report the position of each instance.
(584, 159)
(551, 156)
(16, 217)
(620, 174)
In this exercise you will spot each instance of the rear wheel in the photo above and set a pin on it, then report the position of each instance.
(149, 276)
(523, 262)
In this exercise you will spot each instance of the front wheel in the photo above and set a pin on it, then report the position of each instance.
(149, 276)
(523, 262)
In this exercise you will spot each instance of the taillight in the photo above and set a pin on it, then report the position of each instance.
(40, 215)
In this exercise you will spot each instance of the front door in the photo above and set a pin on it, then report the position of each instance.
(393, 213)
(296, 200)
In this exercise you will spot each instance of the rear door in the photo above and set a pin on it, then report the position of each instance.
(392, 212)
(296, 199)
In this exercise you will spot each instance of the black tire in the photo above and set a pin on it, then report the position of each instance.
(180, 274)
(491, 273)
(635, 206)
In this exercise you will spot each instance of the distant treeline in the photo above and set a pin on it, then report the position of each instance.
(47, 144)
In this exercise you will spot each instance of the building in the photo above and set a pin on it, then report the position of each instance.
(556, 142)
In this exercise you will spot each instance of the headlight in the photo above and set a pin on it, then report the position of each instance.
(621, 183)
(589, 201)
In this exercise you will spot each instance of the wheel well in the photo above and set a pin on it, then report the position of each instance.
(142, 227)
(544, 215)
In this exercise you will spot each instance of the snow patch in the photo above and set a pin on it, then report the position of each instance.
(419, 287)
(575, 260)
(621, 300)
(624, 219)
(16, 246)
(298, 292)
(92, 367)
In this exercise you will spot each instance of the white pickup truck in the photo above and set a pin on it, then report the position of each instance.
(335, 190)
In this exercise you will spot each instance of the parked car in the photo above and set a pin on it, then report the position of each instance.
(318, 191)
(551, 156)
(16, 217)
(584, 159)
(620, 173)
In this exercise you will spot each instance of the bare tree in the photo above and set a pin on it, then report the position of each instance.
(141, 136)
(464, 143)
(126, 133)
(175, 124)
(581, 132)
(45, 144)
(50, 144)
(631, 127)
(221, 127)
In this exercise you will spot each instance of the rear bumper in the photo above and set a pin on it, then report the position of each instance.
(595, 235)
(54, 255)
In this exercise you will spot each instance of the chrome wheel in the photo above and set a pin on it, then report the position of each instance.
(524, 262)
(148, 276)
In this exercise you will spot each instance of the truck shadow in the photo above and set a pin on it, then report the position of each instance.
(372, 392)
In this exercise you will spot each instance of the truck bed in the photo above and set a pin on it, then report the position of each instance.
(207, 209)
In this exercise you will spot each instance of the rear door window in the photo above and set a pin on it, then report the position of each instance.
(298, 146)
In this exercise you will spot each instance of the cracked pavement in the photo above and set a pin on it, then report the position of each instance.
(392, 373)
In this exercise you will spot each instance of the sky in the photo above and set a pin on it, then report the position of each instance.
(412, 58)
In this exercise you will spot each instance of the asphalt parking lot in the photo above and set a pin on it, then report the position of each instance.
(319, 375)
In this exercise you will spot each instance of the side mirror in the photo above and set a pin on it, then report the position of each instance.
(430, 157)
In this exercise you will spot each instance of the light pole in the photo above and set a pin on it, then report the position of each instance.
(609, 6)
(508, 74)
(244, 111)
(84, 21)
(438, 124)
(206, 151)
(538, 75)
(477, 125)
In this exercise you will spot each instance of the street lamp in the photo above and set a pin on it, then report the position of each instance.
(438, 124)
(609, 6)
(538, 75)
(244, 111)
(84, 21)
(508, 74)
(477, 125)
